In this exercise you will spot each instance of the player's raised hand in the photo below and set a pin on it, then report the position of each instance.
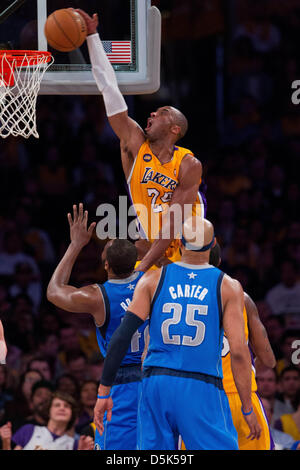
(91, 22)
(79, 233)
(102, 405)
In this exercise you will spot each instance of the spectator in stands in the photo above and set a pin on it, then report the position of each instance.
(289, 385)
(26, 283)
(287, 340)
(282, 440)
(41, 394)
(66, 383)
(267, 387)
(41, 364)
(284, 297)
(77, 366)
(68, 343)
(53, 436)
(88, 398)
(18, 409)
(290, 423)
(21, 324)
(48, 346)
(274, 325)
(48, 322)
(13, 254)
(95, 366)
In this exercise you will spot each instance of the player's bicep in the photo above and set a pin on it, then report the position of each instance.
(75, 300)
(189, 180)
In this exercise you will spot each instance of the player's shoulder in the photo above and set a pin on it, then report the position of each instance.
(150, 276)
(231, 285)
(189, 162)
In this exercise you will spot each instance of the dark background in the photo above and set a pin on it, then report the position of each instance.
(229, 66)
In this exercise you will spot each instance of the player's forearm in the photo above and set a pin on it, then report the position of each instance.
(261, 346)
(166, 235)
(105, 77)
(241, 370)
(62, 273)
(117, 348)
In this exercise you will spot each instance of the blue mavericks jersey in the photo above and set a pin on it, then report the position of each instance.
(117, 295)
(186, 332)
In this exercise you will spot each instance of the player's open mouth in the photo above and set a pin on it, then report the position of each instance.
(149, 124)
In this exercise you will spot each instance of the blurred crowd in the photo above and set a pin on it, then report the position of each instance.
(249, 153)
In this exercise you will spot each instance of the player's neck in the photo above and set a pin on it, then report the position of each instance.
(112, 275)
(190, 257)
(162, 150)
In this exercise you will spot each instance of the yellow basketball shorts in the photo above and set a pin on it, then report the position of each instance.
(265, 442)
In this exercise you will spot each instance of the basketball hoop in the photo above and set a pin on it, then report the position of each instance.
(21, 73)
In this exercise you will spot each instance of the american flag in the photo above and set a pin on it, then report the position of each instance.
(118, 52)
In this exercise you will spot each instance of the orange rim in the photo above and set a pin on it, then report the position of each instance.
(18, 55)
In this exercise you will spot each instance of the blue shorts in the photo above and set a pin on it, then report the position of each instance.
(121, 432)
(195, 406)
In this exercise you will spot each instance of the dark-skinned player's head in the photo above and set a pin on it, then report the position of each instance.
(166, 123)
(119, 256)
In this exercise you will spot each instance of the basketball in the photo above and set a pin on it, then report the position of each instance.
(65, 30)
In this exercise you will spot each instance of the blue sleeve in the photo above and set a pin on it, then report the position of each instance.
(23, 435)
(118, 345)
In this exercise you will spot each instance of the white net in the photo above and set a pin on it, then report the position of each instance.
(20, 78)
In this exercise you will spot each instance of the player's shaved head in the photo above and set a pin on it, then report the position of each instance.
(198, 232)
(179, 120)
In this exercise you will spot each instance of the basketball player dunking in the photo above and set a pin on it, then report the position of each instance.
(160, 175)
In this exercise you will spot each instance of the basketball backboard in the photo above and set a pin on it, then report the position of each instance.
(134, 23)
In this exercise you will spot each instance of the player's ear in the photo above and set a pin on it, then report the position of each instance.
(176, 130)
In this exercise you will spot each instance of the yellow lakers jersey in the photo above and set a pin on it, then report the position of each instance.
(228, 381)
(151, 185)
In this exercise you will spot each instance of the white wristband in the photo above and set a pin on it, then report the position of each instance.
(105, 77)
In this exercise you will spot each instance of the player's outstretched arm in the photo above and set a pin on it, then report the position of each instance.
(128, 131)
(3, 347)
(258, 337)
(181, 203)
(234, 328)
(86, 299)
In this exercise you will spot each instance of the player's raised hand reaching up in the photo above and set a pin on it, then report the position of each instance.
(91, 21)
(79, 233)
